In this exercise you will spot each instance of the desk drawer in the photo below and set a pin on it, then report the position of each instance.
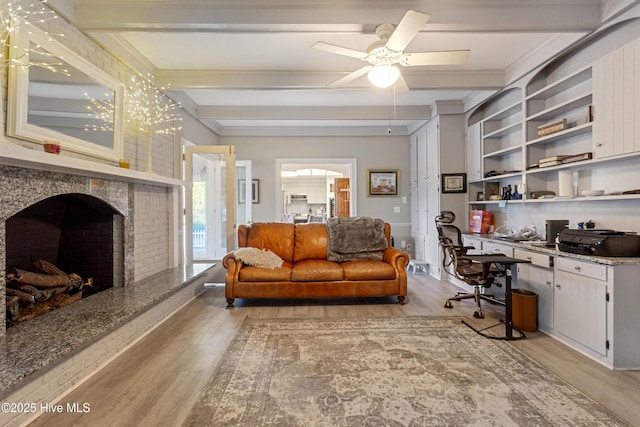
(586, 269)
(476, 243)
(536, 258)
(497, 248)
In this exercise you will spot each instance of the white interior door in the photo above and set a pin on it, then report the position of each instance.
(210, 202)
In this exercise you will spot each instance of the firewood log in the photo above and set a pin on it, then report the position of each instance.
(52, 292)
(37, 293)
(38, 280)
(24, 297)
(75, 281)
(47, 267)
(13, 307)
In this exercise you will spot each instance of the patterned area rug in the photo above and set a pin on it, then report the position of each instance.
(414, 371)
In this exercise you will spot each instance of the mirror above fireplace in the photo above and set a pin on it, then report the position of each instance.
(81, 109)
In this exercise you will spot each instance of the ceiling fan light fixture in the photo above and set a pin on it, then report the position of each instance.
(384, 75)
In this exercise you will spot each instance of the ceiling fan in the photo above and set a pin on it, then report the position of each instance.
(383, 55)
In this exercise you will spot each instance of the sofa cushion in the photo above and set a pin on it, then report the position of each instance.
(368, 270)
(316, 270)
(259, 274)
(310, 242)
(274, 236)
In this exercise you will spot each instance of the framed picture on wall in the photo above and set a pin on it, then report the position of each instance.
(255, 191)
(453, 182)
(383, 182)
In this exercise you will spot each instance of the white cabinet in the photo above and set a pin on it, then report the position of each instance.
(432, 152)
(440, 147)
(433, 253)
(580, 303)
(422, 156)
(413, 161)
(616, 90)
(472, 242)
(537, 277)
(474, 169)
(316, 195)
(590, 306)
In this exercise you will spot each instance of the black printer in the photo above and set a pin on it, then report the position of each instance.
(606, 243)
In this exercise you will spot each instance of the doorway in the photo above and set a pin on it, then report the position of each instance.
(306, 188)
(210, 202)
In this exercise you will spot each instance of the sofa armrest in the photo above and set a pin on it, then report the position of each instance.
(395, 257)
(228, 260)
(233, 267)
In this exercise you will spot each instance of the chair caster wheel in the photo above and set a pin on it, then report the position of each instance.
(478, 315)
(448, 304)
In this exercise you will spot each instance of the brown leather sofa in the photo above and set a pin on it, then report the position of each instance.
(306, 272)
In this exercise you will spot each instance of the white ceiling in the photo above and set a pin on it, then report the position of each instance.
(247, 66)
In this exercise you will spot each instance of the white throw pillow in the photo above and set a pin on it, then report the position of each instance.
(258, 257)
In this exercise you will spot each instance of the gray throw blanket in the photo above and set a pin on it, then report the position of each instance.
(355, 238)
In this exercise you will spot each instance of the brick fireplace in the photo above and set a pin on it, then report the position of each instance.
(80, 224)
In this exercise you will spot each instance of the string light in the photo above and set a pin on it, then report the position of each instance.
(151, 111)
(103, 111)
(14, 15)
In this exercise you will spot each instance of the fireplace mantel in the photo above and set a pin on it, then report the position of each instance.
(12, 155)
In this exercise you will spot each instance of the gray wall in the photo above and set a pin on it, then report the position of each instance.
(377, 152)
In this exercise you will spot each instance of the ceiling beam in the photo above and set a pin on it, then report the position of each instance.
(313, 113)
(236, 79)
(338, 16)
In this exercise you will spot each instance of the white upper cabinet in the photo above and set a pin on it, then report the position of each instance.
(616, 97)
(474, 169)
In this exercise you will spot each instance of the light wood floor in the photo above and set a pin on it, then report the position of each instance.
(157, 381)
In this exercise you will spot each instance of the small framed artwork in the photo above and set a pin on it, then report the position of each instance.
(480, 196)
(383, 182)
(454, 182)
(255, 191)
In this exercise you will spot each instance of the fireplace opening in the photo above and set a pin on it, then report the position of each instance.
(72, 235)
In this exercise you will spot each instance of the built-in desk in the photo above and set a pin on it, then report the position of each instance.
(503, 264)
(589, 303)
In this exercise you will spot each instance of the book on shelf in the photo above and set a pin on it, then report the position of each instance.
(553, 127)
(577, 158)
(551, 163)
(551, 159)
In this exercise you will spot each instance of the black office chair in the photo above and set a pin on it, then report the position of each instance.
(465, 270)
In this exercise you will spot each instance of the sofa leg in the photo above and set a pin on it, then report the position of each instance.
(230, 302)
(401, 299)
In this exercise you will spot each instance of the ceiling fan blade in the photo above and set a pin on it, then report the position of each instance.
(446, 57)
(332, 48)
(401, 85)
(409, 26)
(350, 77)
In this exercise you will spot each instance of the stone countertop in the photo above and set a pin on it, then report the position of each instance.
(40, 342)
(552, 251)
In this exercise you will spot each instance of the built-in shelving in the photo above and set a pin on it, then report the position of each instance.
(594, 104)
(514, 127)
(502, 152)
(573, 131)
